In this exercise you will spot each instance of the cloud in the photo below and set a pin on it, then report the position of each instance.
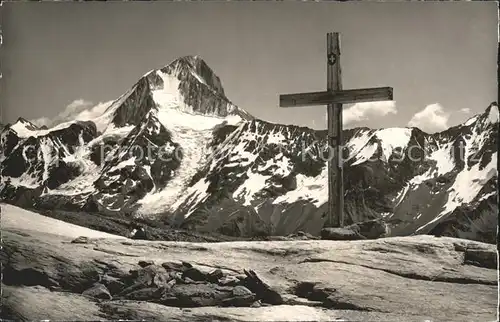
(363, 111)
(42, 121)
(465, 110)
(431, 119)
(78, 110)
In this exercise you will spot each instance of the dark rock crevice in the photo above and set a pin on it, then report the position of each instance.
(481, 258)
(27, 277)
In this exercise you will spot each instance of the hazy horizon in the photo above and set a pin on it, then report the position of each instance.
(440, 57)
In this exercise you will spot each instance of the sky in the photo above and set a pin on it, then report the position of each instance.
(440, 57)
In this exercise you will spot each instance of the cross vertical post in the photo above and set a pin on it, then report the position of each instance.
(335, 140)
(333, 98)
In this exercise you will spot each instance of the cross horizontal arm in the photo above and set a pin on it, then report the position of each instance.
(334, 97)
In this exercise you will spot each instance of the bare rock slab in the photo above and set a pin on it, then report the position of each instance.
(400, 278)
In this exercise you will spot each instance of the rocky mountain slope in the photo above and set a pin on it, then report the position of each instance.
(50, 266)
(175, 148)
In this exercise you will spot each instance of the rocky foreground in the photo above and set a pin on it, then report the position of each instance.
(49, 272)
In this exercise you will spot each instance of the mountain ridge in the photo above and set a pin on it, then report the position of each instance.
(212, 166)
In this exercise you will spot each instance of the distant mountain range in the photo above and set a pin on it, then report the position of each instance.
(175, 148)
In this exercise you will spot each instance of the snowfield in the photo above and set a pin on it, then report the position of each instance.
(15, 217)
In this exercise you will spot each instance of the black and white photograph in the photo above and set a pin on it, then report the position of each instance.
(249, 160)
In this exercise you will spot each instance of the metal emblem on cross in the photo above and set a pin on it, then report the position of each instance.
(332, 59)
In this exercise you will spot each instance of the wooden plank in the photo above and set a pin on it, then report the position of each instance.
(334, 121)
(337, 97)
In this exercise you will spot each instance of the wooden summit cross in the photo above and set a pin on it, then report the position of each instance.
(334, 97)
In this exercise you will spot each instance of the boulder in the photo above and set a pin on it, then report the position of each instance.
(241, 297)
(161, 280)
(172, 266)
(145, 277)
(139, 233)
(145, 263)
(262, 290)
(196, 295)
(81, 240)
(215, 276)
(229, 281)
(98, 291)
(113, 284)
(194, 274)
(241, 291)
(371, 229)
(186, 265)
(340, 234)
(145, 294)
(187, 280)
(305, 235)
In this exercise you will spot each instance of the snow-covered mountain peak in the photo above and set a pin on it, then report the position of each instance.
(492, 113)
(195, 66)
(187, 88)
(489, 116)
(23, 127)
